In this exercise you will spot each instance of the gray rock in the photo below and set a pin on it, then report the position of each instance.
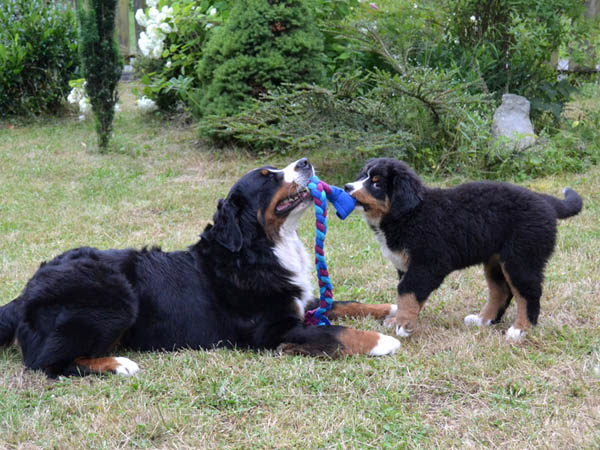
(511, 125)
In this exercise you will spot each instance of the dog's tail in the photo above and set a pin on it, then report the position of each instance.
(570, 206)
(9, 319)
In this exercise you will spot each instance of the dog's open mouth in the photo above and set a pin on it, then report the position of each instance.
(291, 202)
(362, 205)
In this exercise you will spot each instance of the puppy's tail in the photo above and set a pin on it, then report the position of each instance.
(570, 206)
(9, 319)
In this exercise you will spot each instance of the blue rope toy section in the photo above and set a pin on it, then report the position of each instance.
(344, 205)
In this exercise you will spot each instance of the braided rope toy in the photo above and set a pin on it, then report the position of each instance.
(344, 204)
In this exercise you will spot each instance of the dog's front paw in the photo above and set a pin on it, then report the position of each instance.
(386, 345)
(391, 314)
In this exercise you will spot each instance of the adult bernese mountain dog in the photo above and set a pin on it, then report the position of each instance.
(246, 283)
(427, 233)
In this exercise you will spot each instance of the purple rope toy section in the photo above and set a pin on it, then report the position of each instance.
(344, 205)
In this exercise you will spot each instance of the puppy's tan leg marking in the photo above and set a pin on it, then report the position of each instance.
(521, 324)
(498, 296)
(354, 309)
(405, 321)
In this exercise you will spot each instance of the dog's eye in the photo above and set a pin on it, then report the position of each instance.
(376, 182)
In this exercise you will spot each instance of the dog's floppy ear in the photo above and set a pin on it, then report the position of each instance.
(407, 191)
(226, 229)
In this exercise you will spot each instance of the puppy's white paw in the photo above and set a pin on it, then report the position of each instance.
(386, 345)
(514, 334)
(403, 332)
(126, 366)
(476, 321)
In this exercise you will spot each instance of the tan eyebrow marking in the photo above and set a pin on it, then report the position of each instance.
(375, 179)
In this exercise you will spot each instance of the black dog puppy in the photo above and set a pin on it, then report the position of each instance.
(246, 283)
(428, 233)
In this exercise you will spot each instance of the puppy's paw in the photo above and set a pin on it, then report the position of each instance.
(404, 331)
(386, 345)
(515, 335)
(475, 320)
(402, 327)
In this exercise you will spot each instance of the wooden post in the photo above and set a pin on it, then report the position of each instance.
(592, 8)
(123, 27)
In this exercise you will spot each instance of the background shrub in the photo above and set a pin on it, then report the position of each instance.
(38, 55)
(102, 62)
(263, 44)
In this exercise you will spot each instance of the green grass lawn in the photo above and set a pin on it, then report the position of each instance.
(449, 385)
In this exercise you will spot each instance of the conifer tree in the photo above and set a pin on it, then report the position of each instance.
(263, 44)
(101, 60)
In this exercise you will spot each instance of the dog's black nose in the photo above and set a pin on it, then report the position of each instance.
(302, 164)
(348, 188)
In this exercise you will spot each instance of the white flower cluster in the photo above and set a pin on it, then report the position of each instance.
(77, 96)
(146, 104)
(157, 26)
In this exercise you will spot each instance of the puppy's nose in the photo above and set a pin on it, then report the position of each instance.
(348, 188)
(302, 164)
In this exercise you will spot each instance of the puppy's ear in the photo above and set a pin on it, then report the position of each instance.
(407, 192)
(226, 229)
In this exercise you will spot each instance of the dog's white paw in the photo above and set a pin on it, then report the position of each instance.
(386, 345)
(403, 332)
(514, 334)
(392, 313)
(476, 320)
(126, 366)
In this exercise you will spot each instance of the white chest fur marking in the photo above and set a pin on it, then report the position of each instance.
(400, 259)
(293, 256)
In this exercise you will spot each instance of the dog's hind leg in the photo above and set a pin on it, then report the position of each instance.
(499, 298)
(75, 312)
(526, 287)
(112, 364)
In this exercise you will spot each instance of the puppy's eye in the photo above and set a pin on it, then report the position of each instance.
(376, 182)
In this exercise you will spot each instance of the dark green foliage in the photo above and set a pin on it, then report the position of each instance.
(102, 62)
(509, 45)
(423, 117)
(263, 44)
(38, 55)
(183, 47)
(309, 117)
